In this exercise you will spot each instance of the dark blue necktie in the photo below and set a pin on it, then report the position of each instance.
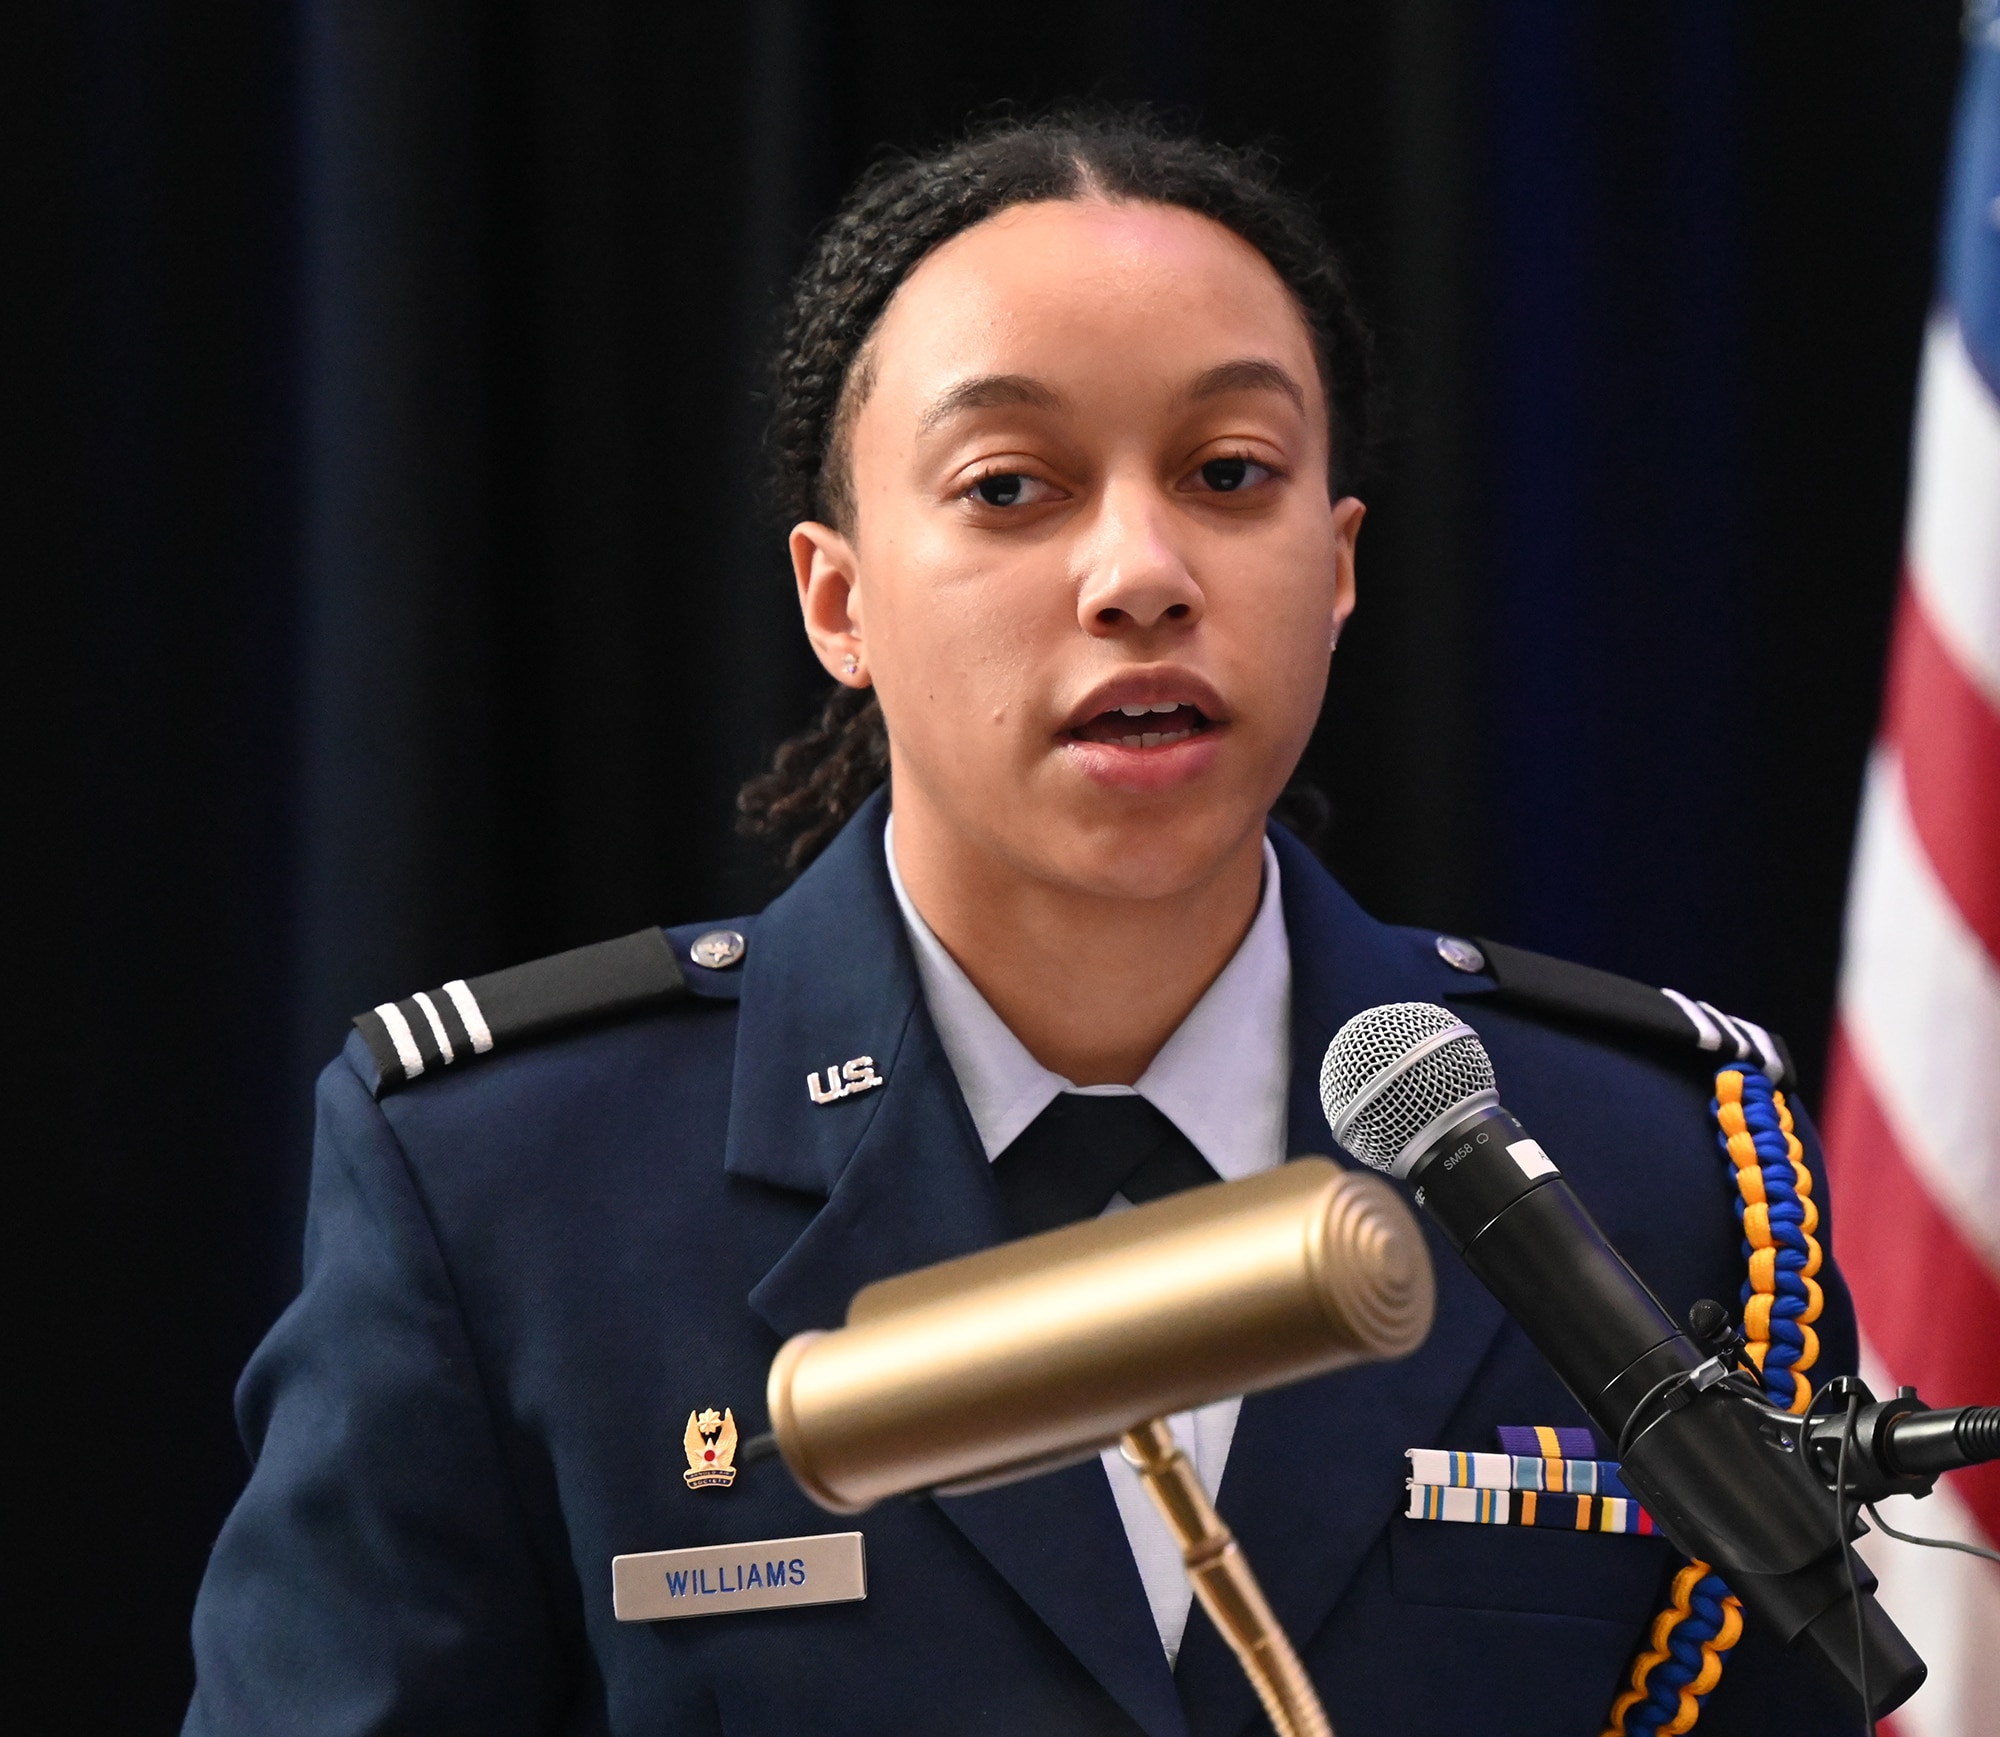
(1079, 1152)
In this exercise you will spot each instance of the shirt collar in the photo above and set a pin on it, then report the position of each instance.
(1222, 1078)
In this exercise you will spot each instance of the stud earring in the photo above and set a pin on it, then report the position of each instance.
(850, 664)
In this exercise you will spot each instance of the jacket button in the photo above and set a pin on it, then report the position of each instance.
(718, 949)
(1459, 955)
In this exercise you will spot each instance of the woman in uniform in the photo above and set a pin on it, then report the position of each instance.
(1069, 418)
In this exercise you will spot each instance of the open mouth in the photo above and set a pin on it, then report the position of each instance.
(1142, 726)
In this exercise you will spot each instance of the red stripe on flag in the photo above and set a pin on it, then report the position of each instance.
(1949, 737)
(1928, 1302)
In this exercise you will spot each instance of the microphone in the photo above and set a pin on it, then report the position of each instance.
(1042, 1352)
(1410, 1090)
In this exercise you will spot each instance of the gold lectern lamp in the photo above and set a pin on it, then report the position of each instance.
(1043, 1352)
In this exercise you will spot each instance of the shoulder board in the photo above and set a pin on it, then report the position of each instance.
(442, 1028)
(1583, 995)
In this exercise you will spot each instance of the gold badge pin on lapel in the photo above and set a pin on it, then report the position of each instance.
(711, 1449)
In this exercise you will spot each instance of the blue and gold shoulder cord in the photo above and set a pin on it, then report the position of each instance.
(1691, 1638)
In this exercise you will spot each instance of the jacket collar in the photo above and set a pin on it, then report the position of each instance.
(1314, 1472)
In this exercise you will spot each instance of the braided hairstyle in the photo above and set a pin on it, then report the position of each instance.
(902, 210)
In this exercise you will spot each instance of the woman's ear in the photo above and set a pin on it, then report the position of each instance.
(1348, 512)
(824, 566)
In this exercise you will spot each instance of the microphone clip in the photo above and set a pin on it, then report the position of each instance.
(1714, 1329)
(1874, 1469)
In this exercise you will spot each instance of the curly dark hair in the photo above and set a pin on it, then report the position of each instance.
(900, 211)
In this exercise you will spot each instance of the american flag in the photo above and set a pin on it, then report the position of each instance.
(1913, 1100)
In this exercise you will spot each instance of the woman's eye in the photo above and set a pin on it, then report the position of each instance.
(1000, 491)
(1227, 475)
(1009, 488)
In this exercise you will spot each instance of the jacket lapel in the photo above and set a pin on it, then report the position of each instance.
(906, 1184)
(1316, 1471)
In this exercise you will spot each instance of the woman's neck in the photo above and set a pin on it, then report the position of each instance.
(1092, 984)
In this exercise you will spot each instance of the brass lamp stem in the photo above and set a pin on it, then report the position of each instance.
(1220, 1575)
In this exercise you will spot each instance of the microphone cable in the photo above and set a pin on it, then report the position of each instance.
(1840, 1536)
(1889, 1531)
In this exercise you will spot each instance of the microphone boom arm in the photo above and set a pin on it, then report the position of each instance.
(1220, 1574)
(1899, 1447)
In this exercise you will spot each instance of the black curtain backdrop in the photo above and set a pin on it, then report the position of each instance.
(405, 605)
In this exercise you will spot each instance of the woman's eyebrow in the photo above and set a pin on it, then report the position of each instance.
(1244, 374)
(988, 392)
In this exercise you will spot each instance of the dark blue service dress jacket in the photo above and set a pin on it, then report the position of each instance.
(521, 1277)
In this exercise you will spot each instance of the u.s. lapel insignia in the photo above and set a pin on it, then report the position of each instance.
(711, 1449)
(844, 1080)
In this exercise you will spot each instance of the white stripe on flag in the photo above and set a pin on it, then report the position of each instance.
(1954, 539)
(1921, 1004)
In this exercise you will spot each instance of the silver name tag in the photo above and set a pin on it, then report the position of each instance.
(713, 1579)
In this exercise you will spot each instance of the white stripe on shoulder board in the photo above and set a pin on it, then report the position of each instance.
(403, 1038)
(467, 1004)
(1767, 1048)
(437, 1027)
(1707, 1033)
(1730, 1028)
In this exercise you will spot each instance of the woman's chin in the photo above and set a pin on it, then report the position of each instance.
(1147, 832)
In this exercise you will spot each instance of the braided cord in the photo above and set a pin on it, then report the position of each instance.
(1703, 1619)
(1781, 1297)
(1690, 1641)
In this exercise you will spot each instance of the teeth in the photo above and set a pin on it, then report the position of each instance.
(1151, 739)
(1135, 711)
(1131, 741)
(1154, 738)
(1168, 706)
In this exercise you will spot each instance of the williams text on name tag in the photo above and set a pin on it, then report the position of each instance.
(714, 1579)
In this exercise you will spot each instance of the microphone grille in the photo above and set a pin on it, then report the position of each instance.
(1393, 1073)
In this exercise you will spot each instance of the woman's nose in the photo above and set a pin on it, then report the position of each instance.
(1135, 579)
